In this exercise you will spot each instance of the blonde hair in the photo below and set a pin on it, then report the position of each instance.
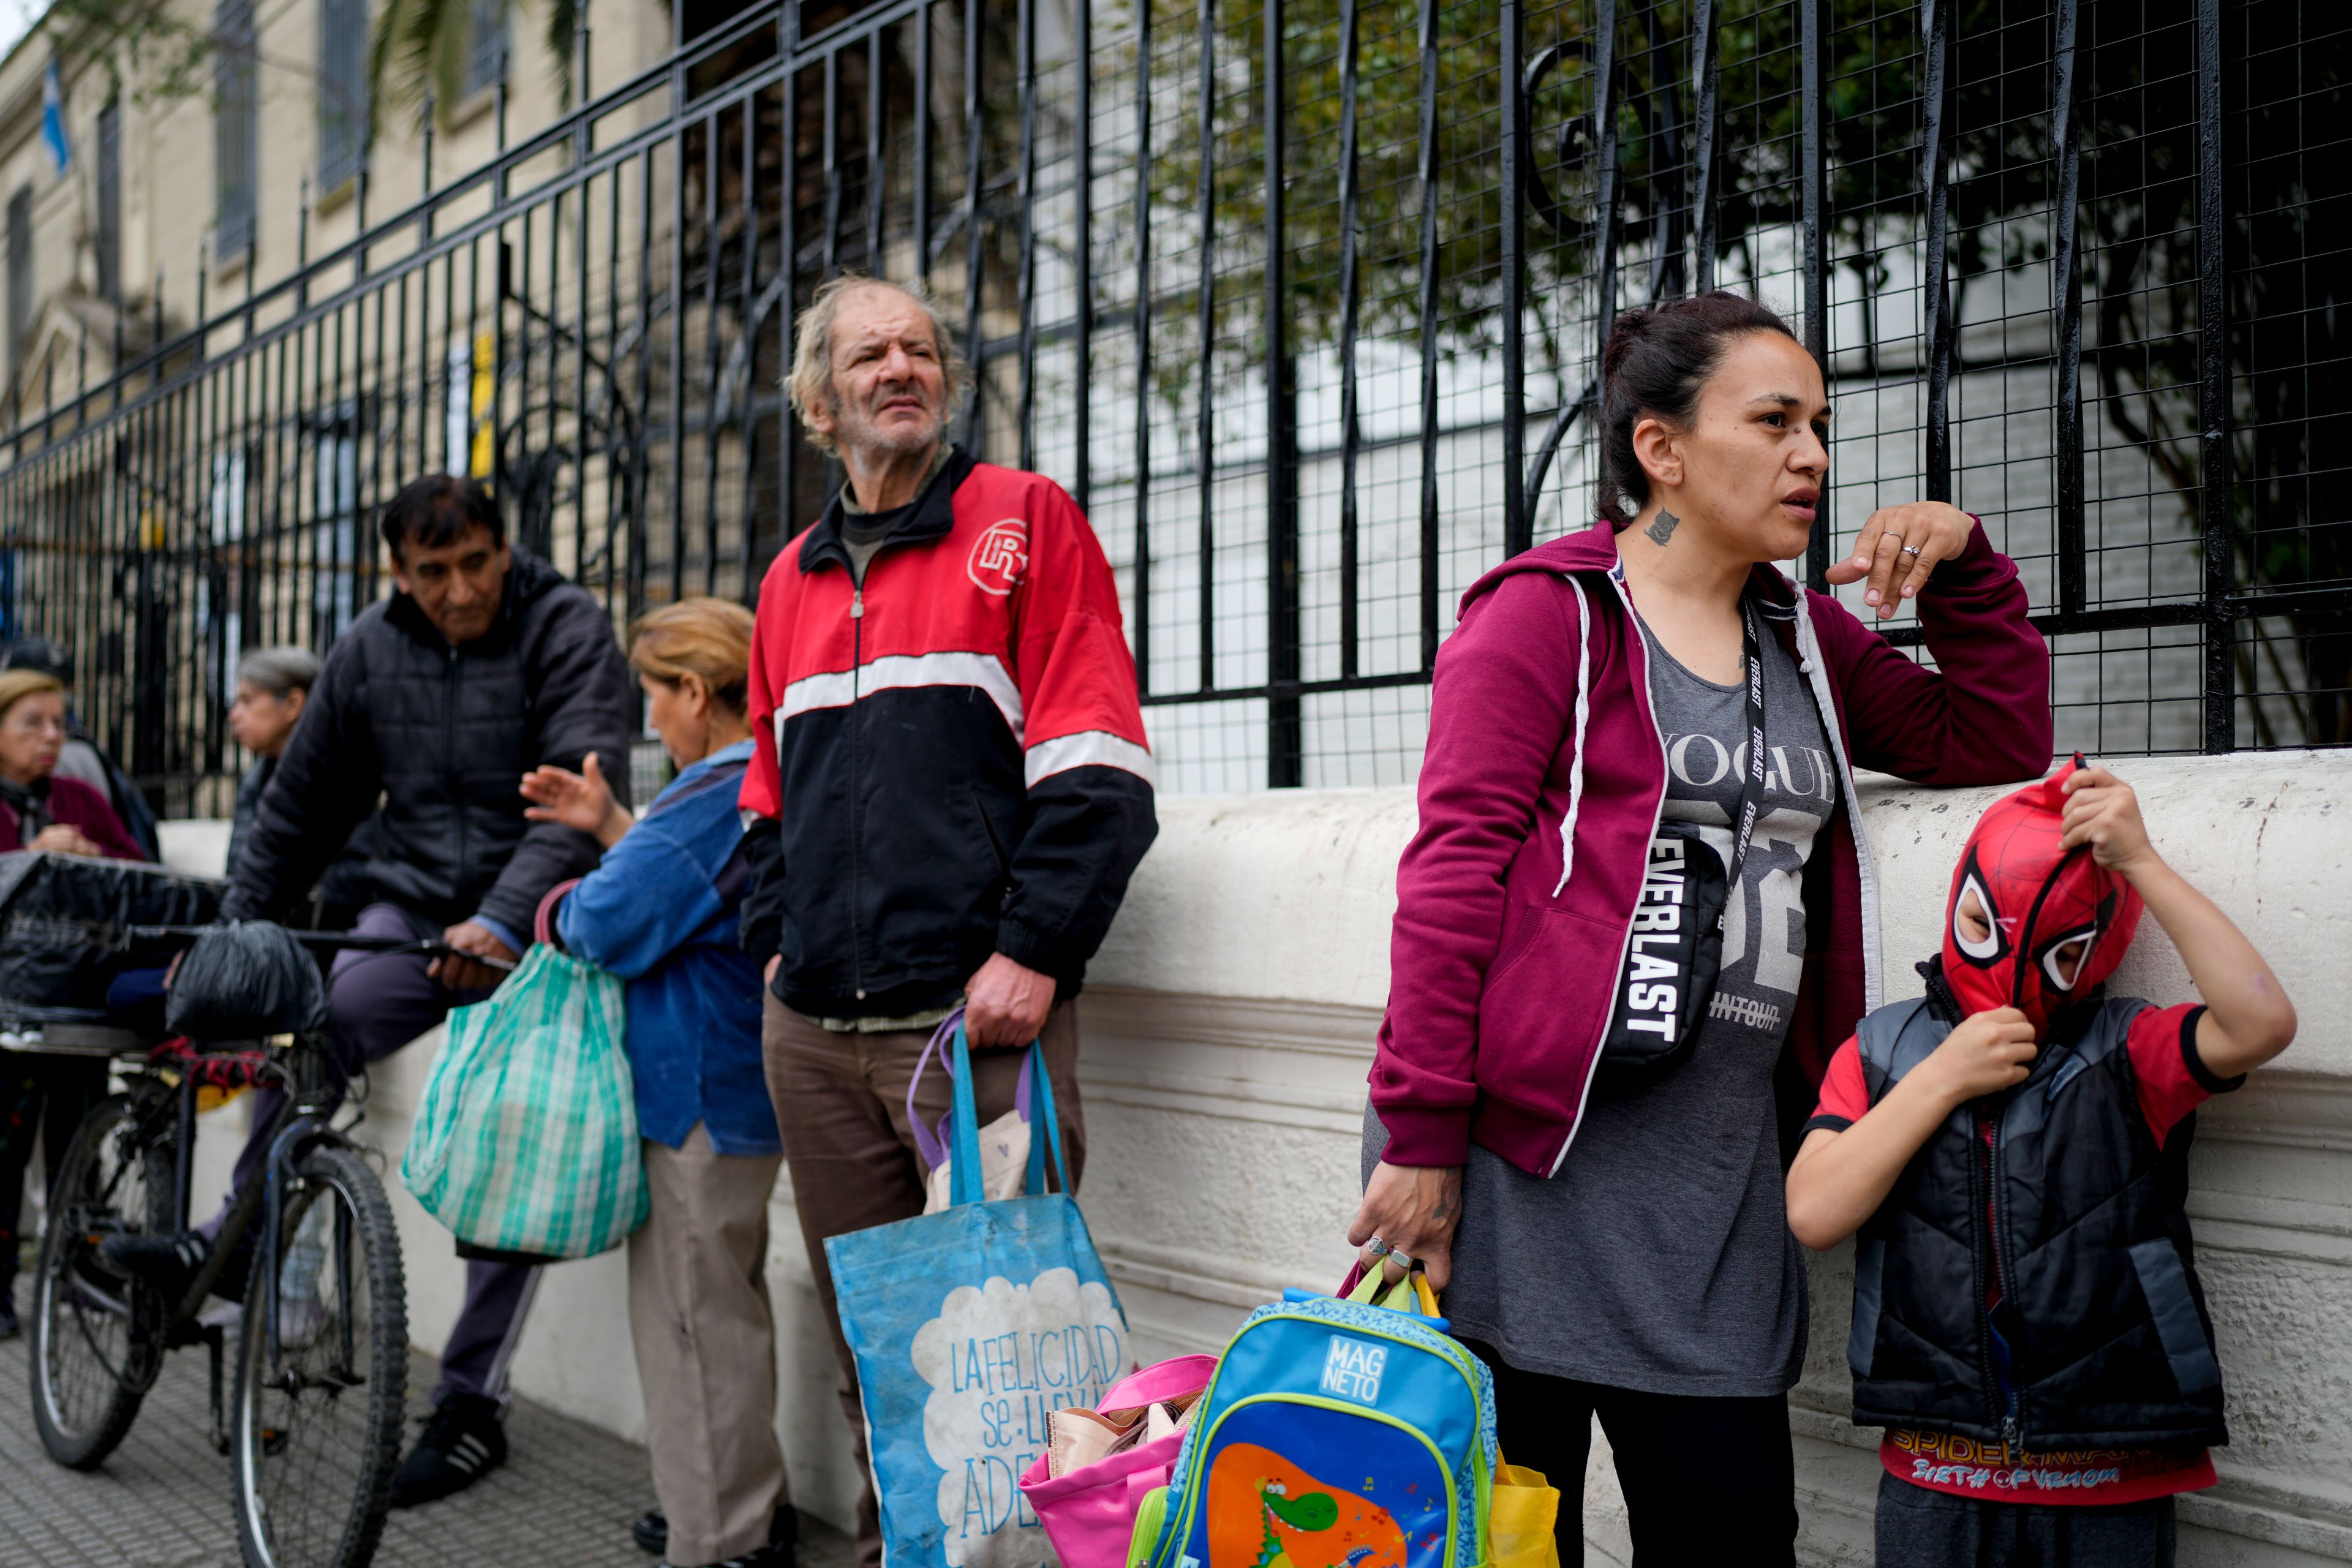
(16, 685)
(811, 380)
(707, 638)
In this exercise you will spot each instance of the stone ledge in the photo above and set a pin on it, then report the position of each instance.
(2287, 1106)
(2275, 1514)
(1230, 1025)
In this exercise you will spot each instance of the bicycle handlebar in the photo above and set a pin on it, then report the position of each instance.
(331, 940)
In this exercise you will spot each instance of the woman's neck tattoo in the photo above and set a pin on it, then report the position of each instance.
(1663, 528)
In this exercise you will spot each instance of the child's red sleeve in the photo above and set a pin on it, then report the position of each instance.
(2173, 1079)
(1845, 1094)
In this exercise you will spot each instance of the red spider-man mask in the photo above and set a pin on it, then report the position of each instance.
(2039, 899)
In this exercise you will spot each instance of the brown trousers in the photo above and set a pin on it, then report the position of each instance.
(706, 1345)
(841, 1100)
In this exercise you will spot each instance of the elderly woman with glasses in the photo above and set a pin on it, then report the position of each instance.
(39, 810)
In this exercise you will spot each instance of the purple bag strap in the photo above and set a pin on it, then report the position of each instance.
(932, 1145)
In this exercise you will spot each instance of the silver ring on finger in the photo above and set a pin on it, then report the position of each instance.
(1912, 550)
(1377, 1247)
(1402, 1260)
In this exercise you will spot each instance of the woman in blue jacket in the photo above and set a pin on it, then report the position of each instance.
(660, 912)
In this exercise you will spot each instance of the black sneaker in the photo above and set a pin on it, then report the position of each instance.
(167, 1262)
(651, 1532)
(773, 1556)
(464, 1440)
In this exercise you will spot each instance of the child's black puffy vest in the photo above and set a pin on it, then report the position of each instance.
(2109, 1342)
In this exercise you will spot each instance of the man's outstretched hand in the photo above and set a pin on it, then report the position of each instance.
(460, 972)
(1004, 1005)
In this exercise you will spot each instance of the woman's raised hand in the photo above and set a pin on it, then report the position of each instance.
(1409, 1213)
(582, 800)
(1898, 549)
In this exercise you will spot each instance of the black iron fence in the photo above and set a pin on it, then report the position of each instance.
(1300, 299)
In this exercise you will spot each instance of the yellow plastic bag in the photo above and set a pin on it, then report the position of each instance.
(1521, 1518)
(1410, 1294)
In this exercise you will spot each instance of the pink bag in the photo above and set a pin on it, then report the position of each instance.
(1089, 1513)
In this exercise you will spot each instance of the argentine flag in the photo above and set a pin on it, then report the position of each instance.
(53, 118)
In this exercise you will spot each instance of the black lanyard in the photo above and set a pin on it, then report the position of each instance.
(1751, 789)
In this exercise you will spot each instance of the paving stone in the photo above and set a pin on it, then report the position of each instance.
(565, 1496)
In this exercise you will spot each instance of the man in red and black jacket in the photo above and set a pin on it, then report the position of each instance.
(949, 784)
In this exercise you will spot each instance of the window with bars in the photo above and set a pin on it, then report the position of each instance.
(20, 276)
(237, 127)
(342, 91)
(109, 224)
(486, 57)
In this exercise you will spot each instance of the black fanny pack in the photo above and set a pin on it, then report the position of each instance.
(1675, 948)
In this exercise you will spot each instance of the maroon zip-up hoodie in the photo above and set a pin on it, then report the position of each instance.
(1542, 784)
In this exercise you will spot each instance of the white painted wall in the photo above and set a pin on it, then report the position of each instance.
(1227, 1031)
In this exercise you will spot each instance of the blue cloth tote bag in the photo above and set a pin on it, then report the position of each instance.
(971, 1327)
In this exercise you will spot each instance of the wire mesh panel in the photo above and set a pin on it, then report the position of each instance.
(1302, 301)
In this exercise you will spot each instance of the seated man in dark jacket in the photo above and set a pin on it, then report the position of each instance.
(484, 664)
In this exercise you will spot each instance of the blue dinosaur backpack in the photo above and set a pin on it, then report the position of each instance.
(1335, 1434)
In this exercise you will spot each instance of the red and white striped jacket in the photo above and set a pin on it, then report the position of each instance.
(950, 761)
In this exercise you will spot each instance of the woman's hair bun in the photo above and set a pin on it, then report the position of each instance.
(1624, 333)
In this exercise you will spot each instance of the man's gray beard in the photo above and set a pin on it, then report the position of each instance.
(859, 435)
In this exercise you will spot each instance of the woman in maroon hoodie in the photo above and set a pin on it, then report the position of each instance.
(1610, 1234)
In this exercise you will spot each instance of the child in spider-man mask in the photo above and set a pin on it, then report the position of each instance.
(2027, 1320)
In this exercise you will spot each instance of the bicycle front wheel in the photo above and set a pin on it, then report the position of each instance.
(97, 1336)
(320, 1380)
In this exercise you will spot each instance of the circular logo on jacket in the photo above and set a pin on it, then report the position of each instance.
(998, 556)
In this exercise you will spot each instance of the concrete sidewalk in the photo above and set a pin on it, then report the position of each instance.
(565, 1496)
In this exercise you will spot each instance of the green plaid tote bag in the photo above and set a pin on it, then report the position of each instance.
(526, 1138)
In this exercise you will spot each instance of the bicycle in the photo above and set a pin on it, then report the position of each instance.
(313, 1425)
